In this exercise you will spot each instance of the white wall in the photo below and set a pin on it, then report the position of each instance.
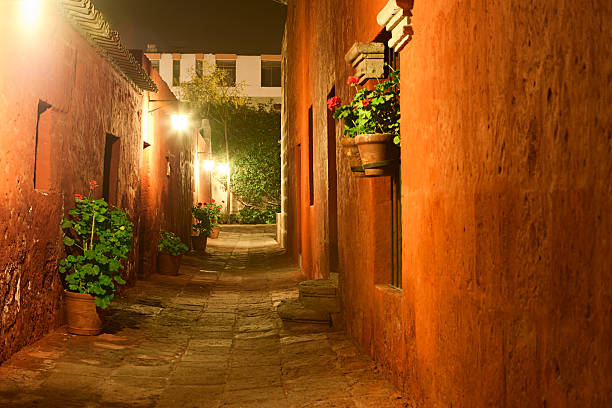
(248, 71)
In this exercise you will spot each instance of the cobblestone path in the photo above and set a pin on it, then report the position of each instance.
(207, 338)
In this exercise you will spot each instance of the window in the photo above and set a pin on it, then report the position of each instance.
(42, 148)
(111, 169)
(270, 73)
(310, 156)
(176, 72)
(229, 66)
(155, 65)
(199, 68)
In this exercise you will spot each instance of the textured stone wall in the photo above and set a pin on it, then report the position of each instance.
(47, 61)
(167, 172)
(506, 160)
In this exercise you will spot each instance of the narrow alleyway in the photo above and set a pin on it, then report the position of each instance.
(208, 338)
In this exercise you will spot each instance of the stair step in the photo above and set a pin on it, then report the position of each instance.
(293, 310)
(318, 287)
(320, 295)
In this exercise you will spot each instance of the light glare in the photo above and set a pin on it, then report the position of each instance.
(208, 165)
(31, 11)
(223, 168)
(179, 122)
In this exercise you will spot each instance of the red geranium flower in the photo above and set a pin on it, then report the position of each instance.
(199, 204)
(366, 102)
(352, 80)
(93, 184)
(212, 200)
(78, 196)
(333, 102)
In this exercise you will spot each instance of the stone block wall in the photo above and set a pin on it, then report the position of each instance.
(506, 156)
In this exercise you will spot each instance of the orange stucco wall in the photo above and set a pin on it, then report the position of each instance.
(506, 160)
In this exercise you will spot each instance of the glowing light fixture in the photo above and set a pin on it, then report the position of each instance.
(208, 165)
(179, 122)
(31, 10)
(223, 168)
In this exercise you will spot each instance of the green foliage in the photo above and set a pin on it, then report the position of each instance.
(171, 244)
(372, 111)
(249, 215)
(97, 238)
(204, 215)
(255, 152)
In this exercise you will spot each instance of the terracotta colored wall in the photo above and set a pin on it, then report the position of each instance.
(48, 61)
(506, 160)
(166, 200)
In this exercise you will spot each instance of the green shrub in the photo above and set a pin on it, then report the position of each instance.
(250, 215)
(97, 238)
(171, 244)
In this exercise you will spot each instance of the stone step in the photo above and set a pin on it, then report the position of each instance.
(320, 294)
(293, 310)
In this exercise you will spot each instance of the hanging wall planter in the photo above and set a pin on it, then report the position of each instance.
(352, 153)
(377, 153)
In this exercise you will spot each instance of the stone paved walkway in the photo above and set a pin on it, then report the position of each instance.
(208, 338)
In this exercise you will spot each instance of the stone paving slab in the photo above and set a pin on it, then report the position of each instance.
(208, 338)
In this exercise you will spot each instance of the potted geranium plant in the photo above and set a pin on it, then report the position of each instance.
(214, 212)
(371, 123)
(98, 238)
(202, 226)
(171, 250)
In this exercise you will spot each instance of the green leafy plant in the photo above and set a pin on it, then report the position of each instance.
(171, 244)
(267, 215)
(371, 110)
(211, 210)
(97, 239)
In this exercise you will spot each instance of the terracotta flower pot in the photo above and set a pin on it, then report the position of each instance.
(352, 152)
(376, 148)
(214, 233)
(82, 315)
(168, 264)
(199, 242)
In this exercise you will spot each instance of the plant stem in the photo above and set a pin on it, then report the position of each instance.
(93, 223)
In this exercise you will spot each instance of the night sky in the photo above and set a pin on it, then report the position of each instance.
(250, 27)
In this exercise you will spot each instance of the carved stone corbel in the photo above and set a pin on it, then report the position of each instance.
(368, 59)
(396, 19)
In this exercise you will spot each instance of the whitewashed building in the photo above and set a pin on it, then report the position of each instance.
(260, 74)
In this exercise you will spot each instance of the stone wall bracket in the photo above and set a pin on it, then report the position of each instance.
(397, 20)
(368, 59)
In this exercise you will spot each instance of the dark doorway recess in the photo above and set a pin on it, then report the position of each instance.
(310, 156)
(111, 169)
(332, 184)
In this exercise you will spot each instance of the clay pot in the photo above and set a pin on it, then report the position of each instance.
(214, 233)
(82, 315)
(377, 148)
(168, 264)
(199, 242)
(352, 152)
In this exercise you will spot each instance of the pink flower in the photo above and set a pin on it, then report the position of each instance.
(366, 102)
(352, 80)
(78, 197)
(333, 102)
